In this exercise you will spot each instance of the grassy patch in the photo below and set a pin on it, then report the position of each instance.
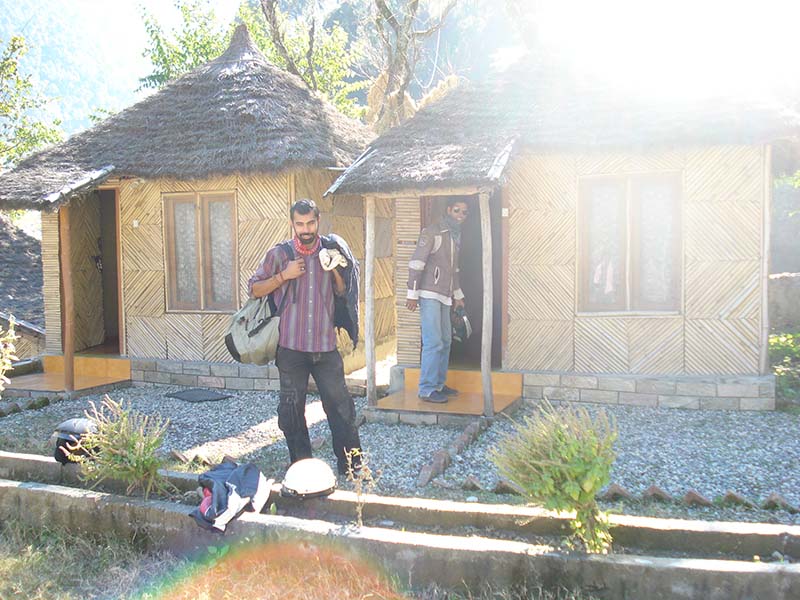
(784, 355)
(39, 564)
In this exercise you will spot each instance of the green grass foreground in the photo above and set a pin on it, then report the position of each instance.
(47, 564)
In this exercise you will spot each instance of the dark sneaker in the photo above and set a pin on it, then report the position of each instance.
(435, 397)
(448, 391)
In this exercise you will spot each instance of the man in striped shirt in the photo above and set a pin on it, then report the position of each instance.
(307, 337)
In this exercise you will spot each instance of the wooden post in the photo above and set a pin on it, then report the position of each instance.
(68, 316)
(369, 291)
(766, 211)
(488, 308)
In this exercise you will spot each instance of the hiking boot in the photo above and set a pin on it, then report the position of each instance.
(435, 397)
(448, 391)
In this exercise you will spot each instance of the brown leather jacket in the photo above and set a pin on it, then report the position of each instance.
(433, 269)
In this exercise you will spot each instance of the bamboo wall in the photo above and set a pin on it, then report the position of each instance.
(262, 212)
(344, 215)
(87, 280)
(51, 289)
(718, 328)
(406, 230)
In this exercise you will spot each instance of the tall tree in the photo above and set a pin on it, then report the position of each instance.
(321, 56)
(21, 131)
(402, 27)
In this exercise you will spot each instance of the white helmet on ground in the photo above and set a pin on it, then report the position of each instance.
(308, 478)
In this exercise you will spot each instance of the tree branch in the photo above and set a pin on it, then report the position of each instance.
(310, 53)
(437, 26)
(387, 15)
(268, 7)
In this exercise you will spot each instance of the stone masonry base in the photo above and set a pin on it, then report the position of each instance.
(722, 392)
(229, 376)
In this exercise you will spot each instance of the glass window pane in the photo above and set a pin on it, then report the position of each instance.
(186, 259)
(656, 222)
(604, 219)
(220, 214)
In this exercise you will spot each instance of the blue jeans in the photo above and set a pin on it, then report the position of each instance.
(436, 336)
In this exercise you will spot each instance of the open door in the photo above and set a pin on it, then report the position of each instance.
(467, 355)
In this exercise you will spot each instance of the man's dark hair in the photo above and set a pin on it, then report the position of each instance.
(304, 206)
(452, 200)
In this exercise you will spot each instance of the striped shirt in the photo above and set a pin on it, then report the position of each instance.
(307, 318)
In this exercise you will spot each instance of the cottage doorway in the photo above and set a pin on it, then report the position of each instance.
(467, 354)
(93, 225)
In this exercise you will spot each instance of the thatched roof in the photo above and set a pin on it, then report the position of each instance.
(20, 274)
(466, 137)
(237, 113)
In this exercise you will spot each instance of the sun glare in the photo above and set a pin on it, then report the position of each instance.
(676, 48)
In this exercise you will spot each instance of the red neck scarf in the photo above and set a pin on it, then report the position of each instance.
(304, 250)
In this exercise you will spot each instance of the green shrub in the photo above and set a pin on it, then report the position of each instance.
(561, 459)
(784, 355)
(125, 448)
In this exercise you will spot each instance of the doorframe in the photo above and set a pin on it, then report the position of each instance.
(500, 194)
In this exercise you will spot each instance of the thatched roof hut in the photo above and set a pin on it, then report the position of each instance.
(466, 137)
(235, 114)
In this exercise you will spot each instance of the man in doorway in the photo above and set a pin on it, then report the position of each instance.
(433, 285)
(307, 336)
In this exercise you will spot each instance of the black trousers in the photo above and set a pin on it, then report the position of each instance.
(328, 372)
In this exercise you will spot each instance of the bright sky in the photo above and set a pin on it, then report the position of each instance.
(671, 46)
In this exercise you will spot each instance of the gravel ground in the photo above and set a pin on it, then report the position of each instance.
(711, 452)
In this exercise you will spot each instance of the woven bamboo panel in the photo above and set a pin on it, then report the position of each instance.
(408, 337)
(542, 183)
(601, 345)
(215, 184)
(28, 346)
(51, 282)
(140, 200)
(655, 346)
(540, 345)
(184, 337)
(263, 197)
(313, 184)
(541, 292)
(406, 232)
(723, 290)
(142, 248)
(348, 206)
(255, 239)
(87, 281)
(729, 174)
(384, 318)
(144, 293)
(384, 278)
(215, 327)
(723, 231)
(384, 237)
(605, 163)
(722, 347)
(146, 336)
(352, 230)
(384, 208)
(542, 238)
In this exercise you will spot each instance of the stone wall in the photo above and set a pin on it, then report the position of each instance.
(204, 374)
(707, 392)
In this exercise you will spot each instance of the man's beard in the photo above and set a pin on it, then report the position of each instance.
(307, 239)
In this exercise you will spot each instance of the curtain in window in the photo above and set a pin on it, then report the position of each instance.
(186, 258)
(604, 220)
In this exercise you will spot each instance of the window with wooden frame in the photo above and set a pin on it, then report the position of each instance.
(200, 231)
(629, 243)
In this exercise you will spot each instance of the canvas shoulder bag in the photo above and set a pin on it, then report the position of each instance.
(253, 334)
